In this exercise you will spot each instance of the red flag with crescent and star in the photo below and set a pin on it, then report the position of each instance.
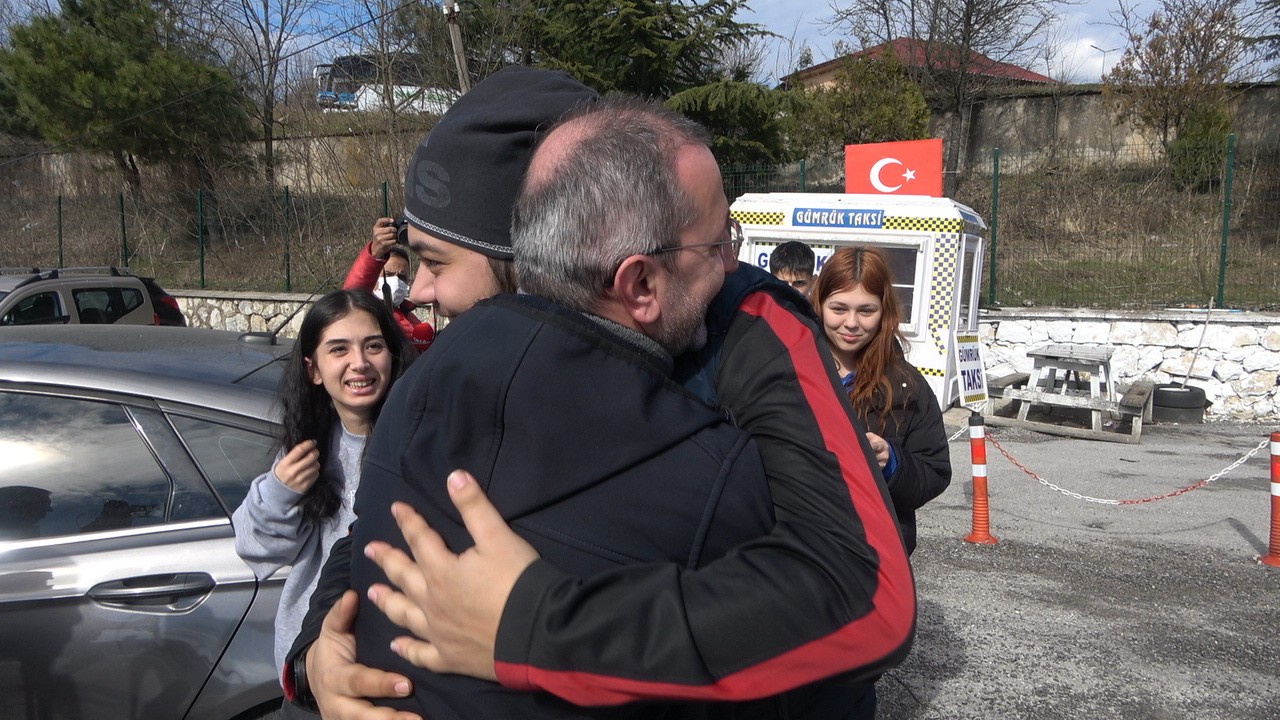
(912, 167)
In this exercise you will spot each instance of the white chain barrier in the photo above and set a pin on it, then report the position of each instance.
(1106, 501)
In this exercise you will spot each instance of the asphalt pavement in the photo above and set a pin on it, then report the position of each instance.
(1084, 609)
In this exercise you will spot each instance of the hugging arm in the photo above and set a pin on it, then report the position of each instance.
(828, 591)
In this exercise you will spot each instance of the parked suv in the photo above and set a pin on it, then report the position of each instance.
(84, 296)
(125, 451)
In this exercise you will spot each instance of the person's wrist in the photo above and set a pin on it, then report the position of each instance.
(301, 695)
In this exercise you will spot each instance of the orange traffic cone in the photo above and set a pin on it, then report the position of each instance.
(981, 512)
(1272, 557)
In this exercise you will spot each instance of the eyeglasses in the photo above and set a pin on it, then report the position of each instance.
(735, 239)
(678, 248)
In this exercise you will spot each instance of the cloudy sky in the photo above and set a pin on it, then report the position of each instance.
(1085, 41)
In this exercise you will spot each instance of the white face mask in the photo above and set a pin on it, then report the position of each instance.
(399, 289)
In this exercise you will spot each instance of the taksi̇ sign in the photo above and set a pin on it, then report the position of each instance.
(970, 372)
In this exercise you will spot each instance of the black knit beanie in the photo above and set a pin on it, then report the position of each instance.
(464, 178)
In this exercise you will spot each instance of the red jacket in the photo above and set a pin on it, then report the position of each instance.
(365, 274)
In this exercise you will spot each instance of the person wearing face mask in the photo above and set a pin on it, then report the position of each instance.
(382, 268)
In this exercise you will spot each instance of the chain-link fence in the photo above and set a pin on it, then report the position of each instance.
(1132, 226)
(256, 239)
(1126, 227)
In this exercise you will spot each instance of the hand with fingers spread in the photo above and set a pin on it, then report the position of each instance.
(300, 467)
(339, 683)
(451, 602)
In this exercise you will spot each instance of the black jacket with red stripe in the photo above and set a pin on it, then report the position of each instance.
(579, 437)
(828, 592)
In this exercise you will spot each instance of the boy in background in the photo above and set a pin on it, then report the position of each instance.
(793, 263)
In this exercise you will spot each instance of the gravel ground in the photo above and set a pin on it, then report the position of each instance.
(1090, 610)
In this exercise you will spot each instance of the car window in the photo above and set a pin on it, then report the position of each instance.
(105, 305)
(130, 300)
(192, 499)
(38, 309)
(74, 466)
(230, 457)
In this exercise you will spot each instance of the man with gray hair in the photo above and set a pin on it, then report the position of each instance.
(559, 402)
(828, 591)
(643, 213)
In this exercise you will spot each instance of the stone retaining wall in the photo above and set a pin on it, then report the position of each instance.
(249, 311)
(1238, 365)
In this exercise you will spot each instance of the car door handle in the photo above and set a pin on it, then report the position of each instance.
(155, 590)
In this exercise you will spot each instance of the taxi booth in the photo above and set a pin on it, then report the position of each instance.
(934, 247)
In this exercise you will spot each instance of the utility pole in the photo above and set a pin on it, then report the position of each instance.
(455, 36)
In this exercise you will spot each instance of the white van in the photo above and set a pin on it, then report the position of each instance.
(934, 247)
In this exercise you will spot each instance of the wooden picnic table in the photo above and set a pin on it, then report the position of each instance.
(1073, 376)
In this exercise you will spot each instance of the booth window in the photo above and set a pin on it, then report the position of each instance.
(904, 263)
(966, 290)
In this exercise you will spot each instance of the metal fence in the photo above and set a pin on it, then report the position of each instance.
(254, 239)
(1127, 227)
(1130, 226)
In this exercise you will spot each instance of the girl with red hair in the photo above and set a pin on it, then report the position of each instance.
(861, 316)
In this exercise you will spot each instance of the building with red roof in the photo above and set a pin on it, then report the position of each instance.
(921, 54)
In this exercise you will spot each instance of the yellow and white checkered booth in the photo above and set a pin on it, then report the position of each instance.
(934, 246)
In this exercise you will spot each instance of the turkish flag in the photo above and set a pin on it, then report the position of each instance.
(912, 167)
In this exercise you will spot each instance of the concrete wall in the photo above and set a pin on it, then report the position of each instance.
(1238, 365)
(1080, 119)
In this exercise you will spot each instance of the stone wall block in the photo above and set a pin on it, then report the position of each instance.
(1270, 338)
(1228, 370)
(1261, 360)
(1088, 331)
(1257, 383)
(1014, 331)
(1177, 365)
(1130, 362)
(1240, 336)
(1060, 331)
(1189, 335)
(1137, 333)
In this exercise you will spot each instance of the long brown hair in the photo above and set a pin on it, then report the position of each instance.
(306, 409)
(847, 268)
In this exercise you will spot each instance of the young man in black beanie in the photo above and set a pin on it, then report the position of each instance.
(463, 179)
(468, 165)
(831, 578)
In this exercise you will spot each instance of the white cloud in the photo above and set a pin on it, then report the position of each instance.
(1087, 45)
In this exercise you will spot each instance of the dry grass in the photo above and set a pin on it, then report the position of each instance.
(1100, 234)
(1091, 230)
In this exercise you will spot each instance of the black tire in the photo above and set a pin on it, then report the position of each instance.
(1173, 395)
